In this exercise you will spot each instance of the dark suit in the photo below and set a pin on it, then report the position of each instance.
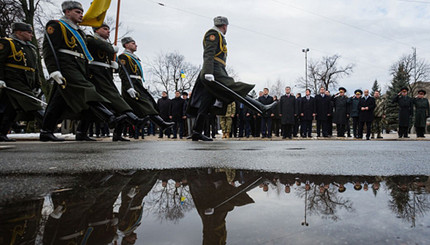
(405, 113)
(266, 119)
(323, 108)
(288, 109)
(177, 112)
(366, 116)
(307, 108)
(163, 105)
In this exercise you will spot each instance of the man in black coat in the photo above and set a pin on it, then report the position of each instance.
(342, 111)
(307, 113)
(330, 116)
(366, 106)
(163, 105)
(266, 117)
(323, 111)
(177, 115)
(276, 119)
(297, 118)
(287, 112)
(405, 111)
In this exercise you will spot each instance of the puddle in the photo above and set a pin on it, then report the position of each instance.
(218, 206)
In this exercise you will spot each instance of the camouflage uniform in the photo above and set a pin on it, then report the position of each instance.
(379, 112)
(226, 120)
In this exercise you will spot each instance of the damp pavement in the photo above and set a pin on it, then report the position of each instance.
(338, 157)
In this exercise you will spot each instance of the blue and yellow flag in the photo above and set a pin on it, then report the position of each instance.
(96, 13)
(182, 74)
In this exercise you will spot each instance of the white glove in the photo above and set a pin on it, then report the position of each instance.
(37, 92)
(209, 77)
(132, 92)
(114, 65)
(115, 48)
(2, 84)
(58, 77)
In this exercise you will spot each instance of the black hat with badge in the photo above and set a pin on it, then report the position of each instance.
(342, 88)
(422, 91)
(404, 88)
(358, 91)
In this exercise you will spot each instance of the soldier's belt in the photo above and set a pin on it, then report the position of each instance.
(26, 68)
(136, 77)
(98, 63)
(220, 60)
(71, 52)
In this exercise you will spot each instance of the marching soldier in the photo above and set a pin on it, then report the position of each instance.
(101, 75)
(131, 74)
(405, 111)
(422, 112)
(66, 57)
(18, 73)
(213, 83)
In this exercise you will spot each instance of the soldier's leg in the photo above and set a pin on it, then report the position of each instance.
(369, 129)
(103, 113)
(202, 115)
(81, 131)
(6, 120)
(229, 124)
(53, 113)
(117, 133)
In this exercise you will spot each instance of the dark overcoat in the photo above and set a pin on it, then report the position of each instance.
(288, 109)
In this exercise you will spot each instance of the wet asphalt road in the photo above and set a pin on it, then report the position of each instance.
(309, 157)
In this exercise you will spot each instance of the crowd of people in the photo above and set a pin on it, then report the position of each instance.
(81, 68)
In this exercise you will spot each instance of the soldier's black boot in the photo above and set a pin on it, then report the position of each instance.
(81, 131)
(160, 122)
(6, 120)
(48, 136)
(117, 133)
(258, 106)
(198, 128)
(105, 114)
(135, 120)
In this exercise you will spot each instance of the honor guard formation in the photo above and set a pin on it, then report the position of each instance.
(82, 69)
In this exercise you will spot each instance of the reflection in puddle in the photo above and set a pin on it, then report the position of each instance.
(219, 206)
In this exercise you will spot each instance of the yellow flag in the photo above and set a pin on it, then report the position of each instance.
(96, 13)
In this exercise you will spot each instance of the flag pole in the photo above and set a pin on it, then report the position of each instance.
(117, 22)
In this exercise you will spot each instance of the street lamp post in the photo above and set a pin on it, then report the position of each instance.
(306, 50)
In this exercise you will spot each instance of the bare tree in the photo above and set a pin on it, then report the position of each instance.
(417, 69)
(10, 11)
(277, 88)
(325, 73)
(166, 69)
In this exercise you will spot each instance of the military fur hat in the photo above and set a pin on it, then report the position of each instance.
(126, 40)
(358, 91)
(220, 20)
(342, 88)
(68, 5)
(103, 25)
(422, 91)
(21, 26)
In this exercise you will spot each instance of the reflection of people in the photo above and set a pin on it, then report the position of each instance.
(19, 222)
(207, 192)
(131, 209)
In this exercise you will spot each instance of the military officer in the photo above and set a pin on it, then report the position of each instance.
(66, 57)
(18, 70)
(405, 111)
(422, 112)
(213, 83)
(366, 106)
(101, 75)
(131, 74)
(342, 111)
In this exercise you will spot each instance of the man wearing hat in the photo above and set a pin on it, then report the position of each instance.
(136, 96)
(18, 70)
(422, 112)
(101, 75)
(353, 101)
(66, 57)
(341, 111)
(405, 111)
(213, 83)
(366, 107)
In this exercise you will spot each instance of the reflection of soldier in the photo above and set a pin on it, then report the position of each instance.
(208, 191)
(131, 209)
(19, 222)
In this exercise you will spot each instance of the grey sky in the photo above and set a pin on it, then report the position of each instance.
(266, 37)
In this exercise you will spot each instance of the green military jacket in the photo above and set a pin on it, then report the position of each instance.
(144, 104)
(102, 76)
(380, 107)
(18, 68)
(422, 111)
(73, 62)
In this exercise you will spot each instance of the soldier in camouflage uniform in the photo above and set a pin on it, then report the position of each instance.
(379, 114)
(18, 70)
(227, 119)
(66, 57)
